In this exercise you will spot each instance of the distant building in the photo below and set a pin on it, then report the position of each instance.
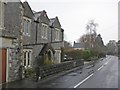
(79, 46)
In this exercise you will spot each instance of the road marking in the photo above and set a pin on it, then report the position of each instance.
(106, 63)
(83, 81)
(103, 66)
(100, 68)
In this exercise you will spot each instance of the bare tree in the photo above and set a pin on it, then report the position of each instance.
(91, 28)
(91, 40)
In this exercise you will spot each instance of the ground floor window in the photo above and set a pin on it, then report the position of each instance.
(27, 57)
(24, 58)
(58, 56)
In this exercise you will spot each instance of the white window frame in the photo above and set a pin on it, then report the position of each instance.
(30, 57)
(27, 26)
(57, 34)
(24, 59)
(44, 31)
(58, 56)
(2, 27)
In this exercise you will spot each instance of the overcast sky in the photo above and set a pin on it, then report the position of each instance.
(75, 14)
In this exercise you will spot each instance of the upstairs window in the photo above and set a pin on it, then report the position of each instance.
(44, 31)
(57, 34)
(26, 26)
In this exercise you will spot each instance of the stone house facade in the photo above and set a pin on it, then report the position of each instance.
(49, 31)
(8, 36)
(37, 32)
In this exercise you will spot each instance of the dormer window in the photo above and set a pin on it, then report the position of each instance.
(57, 34)
(44, 31)
(26, 26)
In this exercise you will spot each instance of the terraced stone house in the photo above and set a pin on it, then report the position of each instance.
(34, 31)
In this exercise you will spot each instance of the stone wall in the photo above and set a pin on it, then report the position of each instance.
(46, 71)
(13, 64)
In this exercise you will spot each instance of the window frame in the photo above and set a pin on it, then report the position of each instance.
(28, 58)
(57, 34)
(26, 26)
(44, 31)
(24, 60)
(58, 55)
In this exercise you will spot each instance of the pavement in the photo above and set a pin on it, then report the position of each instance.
(25, 83)
(30, 83)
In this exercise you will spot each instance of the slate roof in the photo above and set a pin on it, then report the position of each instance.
(42, 15)
(33, 11)
(37, 14)
(52, 21)
(27, 10)
(78, 45)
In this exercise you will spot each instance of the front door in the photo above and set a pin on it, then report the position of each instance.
(3, 65)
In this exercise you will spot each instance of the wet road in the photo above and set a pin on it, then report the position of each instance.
(103, 75)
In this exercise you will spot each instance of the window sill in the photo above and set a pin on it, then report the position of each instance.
(57, 40)
(44, 38)
(27, 66)
(26, 34)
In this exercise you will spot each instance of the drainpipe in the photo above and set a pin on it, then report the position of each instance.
(62, 50)
(37, 22)
(51, 33)
(62, 30)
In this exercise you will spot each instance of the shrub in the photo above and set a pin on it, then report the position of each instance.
(29, 72)
(47, 61)
(86, 54)
(101, 55)
(72, 53)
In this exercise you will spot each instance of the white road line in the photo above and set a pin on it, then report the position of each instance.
(106, 63)
(100, 68)
(89, 76)
(83, 81)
